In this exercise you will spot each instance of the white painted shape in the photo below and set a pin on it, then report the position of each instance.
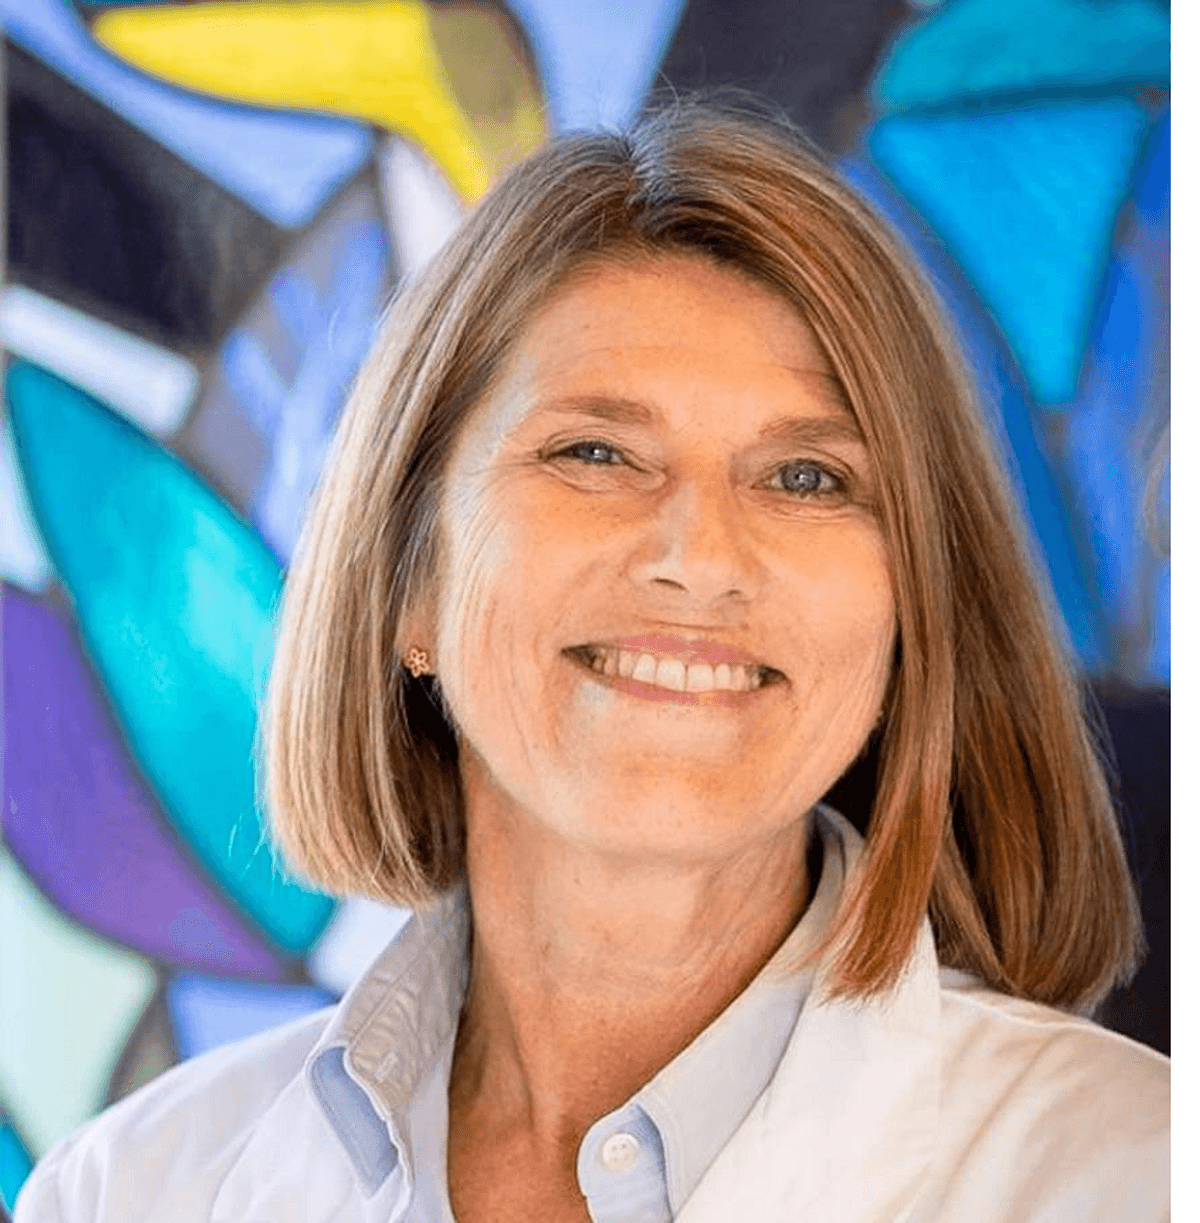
(23, 557)
(423, 210)
(359, 931)
(68, 1003)
(150, 385)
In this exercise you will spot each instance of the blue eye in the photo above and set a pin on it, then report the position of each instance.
(599, 453)
(806, 478)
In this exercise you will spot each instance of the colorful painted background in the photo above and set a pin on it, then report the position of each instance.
(208, 204)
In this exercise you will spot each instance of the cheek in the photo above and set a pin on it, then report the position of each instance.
(848, 602)
(518, 557)
(471, 629)
(499, 598)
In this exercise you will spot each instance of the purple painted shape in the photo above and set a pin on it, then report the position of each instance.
(79, 820)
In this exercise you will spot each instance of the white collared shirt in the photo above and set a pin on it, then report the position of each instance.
(637, 1164)
(939, 1101)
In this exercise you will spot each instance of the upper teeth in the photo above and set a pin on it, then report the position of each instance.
(674, 674)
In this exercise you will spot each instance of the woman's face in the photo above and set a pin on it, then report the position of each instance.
(665, 621)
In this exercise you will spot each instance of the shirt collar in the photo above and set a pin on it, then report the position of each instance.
(389, 1029)
(386, 1035)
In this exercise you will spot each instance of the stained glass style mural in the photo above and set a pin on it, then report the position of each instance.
(87, 830)
(978, 50)
(283, 165)
(174, 596)
(15, 1164)
(209, 205)
(989, 185)
(374, 60)
(288, 366)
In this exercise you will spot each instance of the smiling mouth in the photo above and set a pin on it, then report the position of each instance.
(673, 674)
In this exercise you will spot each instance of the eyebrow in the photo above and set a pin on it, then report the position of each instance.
(612, 408)
(808, 429)
(841, 427)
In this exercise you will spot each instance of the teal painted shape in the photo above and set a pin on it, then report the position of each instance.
(175, 597)
(976, 49)
(15, 1164)
(1018, 432)
(1026, 201)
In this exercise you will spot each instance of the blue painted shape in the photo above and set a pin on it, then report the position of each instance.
(1026, 201)
(175, 597)
(975, 49)
(283, 164)
(1158, 662)
(1152, 181)
(210, 1011)
(1008, 412)
(332, 333)
(16, 1163)
(1097, 436)
(1109, 435)
(597, 61)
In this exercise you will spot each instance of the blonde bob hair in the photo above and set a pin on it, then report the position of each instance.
(991, 809)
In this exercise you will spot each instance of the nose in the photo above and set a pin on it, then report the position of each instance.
(697, 546)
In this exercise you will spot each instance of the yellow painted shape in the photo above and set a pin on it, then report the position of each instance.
(68, 1002)
(369, 59)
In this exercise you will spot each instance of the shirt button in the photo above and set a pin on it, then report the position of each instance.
(620, 1152)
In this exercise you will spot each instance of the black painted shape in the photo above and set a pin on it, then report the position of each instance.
(814, 59)
(104, 218)
(1139, 723)
(1139, 728)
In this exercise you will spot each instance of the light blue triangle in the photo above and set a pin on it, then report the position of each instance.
(211, 1011)
(1025, 200)
(975, 49)
(597, 60)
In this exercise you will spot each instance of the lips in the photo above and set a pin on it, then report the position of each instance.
(674, 665)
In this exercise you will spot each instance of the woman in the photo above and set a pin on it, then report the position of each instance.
(661, 499)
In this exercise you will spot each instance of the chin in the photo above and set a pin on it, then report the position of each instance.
(676, 811)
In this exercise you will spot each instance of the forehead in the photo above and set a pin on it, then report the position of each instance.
(663, 336)
(670, 301)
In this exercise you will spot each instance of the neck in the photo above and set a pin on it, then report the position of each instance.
(591, 972)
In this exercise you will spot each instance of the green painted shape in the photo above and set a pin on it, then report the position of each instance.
(69, 1002)
(175, 596)
(972, 50)
(16, 1163)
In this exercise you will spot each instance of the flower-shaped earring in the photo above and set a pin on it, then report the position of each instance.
(417, 661)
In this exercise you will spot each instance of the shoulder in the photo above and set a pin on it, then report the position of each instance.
(1053, 1106)
(1025, 1049)
(164, 1150)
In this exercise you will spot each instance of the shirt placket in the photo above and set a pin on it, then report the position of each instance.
(622, 1169)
